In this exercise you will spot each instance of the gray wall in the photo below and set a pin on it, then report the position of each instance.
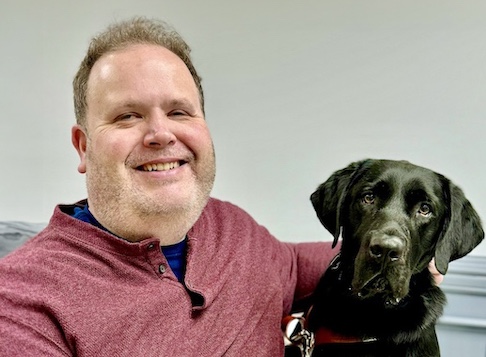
(295, 90)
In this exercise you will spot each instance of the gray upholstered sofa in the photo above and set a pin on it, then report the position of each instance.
(14, 233)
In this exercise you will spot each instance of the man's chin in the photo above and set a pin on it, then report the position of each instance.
(170, 202)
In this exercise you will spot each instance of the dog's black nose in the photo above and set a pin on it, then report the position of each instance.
(386, 247)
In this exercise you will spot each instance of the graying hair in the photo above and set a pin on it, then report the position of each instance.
(137, 30)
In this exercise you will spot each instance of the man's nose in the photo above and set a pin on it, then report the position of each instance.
(159, 132)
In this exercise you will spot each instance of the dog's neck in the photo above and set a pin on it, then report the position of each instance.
(324, 335)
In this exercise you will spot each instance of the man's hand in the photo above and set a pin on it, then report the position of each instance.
(438, 277)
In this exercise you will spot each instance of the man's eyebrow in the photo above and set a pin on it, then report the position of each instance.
(117, 102)
(128, 105)
(173, 103)
(182, 102)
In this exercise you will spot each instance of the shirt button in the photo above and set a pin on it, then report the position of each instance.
(151, 246)
(161, 269)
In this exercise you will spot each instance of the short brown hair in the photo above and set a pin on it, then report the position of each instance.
(137, 30)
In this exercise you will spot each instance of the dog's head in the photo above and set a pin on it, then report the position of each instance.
(394, 217)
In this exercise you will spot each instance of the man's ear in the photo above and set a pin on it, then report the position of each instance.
(80, 140)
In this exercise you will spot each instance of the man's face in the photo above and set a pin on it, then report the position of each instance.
(146, 149)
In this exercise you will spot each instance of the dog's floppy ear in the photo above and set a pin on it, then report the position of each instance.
(462, 230)
(329, 197)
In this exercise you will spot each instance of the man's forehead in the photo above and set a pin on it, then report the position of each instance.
(138, 54)
(137, 65)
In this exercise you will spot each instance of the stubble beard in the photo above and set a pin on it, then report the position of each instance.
(125, 209)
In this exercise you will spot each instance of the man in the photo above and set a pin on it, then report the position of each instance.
(149, 265)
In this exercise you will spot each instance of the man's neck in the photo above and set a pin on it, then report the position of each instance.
(167, 229)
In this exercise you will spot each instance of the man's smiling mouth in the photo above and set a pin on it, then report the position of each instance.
(161, 166)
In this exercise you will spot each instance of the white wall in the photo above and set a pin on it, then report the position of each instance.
(295, 90)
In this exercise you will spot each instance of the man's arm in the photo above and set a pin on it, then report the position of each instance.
(312, 261)
(19, 340)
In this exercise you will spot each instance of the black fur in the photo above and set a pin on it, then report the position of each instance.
(394, 217)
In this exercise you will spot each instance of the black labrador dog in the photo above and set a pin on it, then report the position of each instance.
(378, 298)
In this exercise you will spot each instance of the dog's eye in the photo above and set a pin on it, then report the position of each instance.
(425, 209)
(369, 198)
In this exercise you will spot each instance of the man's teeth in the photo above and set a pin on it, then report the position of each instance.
(161, 167)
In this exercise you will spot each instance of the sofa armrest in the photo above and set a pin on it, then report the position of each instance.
(15, 233)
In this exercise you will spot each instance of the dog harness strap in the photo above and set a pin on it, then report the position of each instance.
(296, 335)
(325, 336)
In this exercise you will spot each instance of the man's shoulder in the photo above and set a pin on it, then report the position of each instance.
(225, 221)
(225, 211)
(222, 205)
(25, 245)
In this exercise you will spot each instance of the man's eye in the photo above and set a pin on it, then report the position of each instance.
(178, 113)
(368, 199)
(128, 116)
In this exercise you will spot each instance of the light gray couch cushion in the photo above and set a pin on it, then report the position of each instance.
(14, 233)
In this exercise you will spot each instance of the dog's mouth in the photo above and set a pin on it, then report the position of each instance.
(379, 287)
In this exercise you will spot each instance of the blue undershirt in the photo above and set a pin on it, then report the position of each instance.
(175, 253)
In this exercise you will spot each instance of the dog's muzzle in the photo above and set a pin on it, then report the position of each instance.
(380, 266)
